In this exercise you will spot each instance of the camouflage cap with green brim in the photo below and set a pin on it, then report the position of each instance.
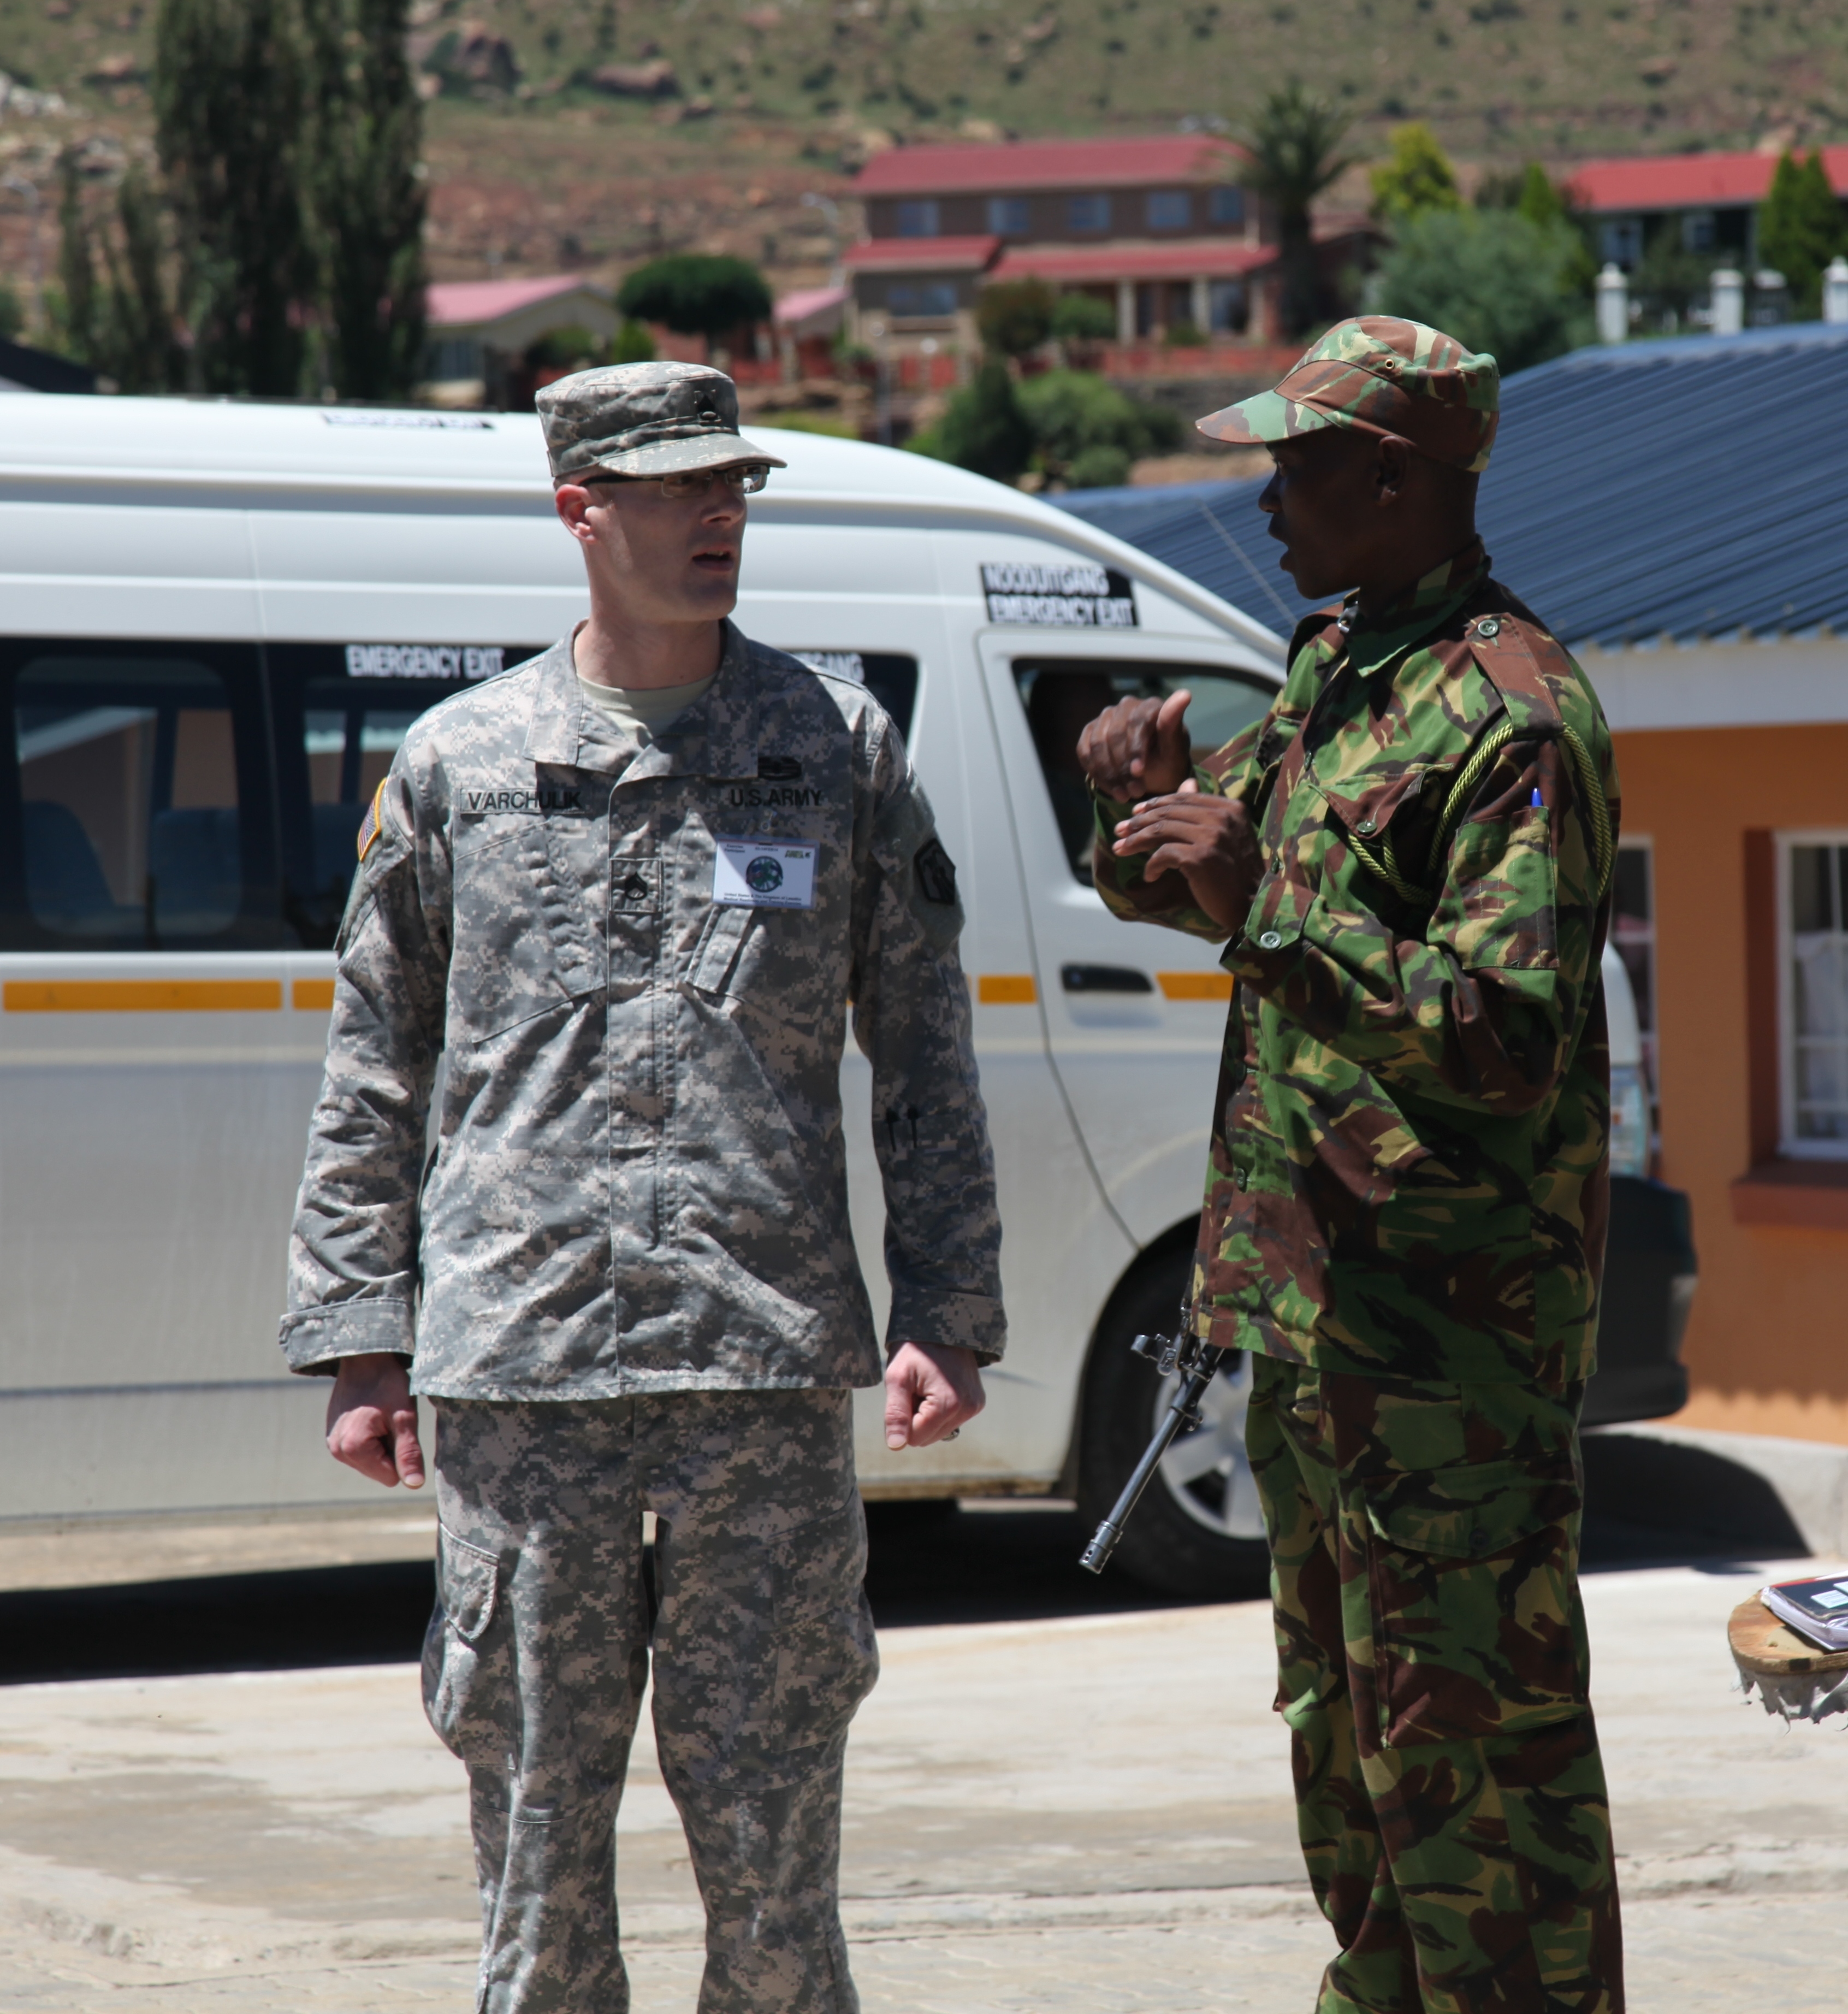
(1377, 374)
(644, 419)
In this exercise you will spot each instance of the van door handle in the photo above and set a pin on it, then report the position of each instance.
(1104, 979)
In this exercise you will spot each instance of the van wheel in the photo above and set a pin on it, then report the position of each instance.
(1198, 1531)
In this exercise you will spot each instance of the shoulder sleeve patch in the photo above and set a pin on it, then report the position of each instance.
(935, 872)
(369, 823)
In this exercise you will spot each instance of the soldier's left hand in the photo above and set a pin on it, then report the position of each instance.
(1208, 839)
(931, 1389)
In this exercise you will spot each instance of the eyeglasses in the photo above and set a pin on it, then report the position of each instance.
(744, 479)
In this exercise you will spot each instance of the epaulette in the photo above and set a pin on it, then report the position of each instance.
(1313, 626)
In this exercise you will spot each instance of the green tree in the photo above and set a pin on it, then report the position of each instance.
(1016, 316)
(366, 195)
(118, 310)
(1800, 229)
(140, 350)
(77, 264)
(1083, 318)
(696, 293)
(983, 428)
(12, 315)
(1294, 146)
(228, 113)
(1415, 179)
(1490, 278)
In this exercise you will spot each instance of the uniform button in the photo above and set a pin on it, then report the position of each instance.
(1240, 1178)
(1365, 827)
(1269, 941)
(1490, 625)
(1479, 1539)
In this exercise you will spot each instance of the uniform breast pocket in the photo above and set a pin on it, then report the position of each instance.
(528, 902)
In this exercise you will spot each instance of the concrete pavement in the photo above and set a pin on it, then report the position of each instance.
(1090, 1815)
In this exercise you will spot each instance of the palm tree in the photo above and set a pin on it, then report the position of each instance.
(1294, 145)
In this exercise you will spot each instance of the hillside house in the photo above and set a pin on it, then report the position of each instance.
(1160, 229)
(1712, 199)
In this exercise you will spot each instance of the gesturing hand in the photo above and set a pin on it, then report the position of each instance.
(1209, 840)
(372, 1421)
(931, 1389)
(1138, 748)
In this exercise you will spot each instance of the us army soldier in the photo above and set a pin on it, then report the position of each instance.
(1409, 862)
(623, 1278)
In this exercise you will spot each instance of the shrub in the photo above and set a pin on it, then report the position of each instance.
(1074, 412)
(1099, 468)
(631, 343)
(1016, 316)
(1083, 318)
(984, 429)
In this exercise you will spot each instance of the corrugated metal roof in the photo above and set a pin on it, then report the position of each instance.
(1687, 181)
(921, 254)
(1046, 164)
(1694, 490)
(1138, 259)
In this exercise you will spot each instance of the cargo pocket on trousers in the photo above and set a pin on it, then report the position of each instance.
(466, 1679)
(827, 1658)
(1474, 1602)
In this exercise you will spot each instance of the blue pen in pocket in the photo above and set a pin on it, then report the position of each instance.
(1536, 804)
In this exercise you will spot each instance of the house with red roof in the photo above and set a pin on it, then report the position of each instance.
(1711, 199)
(1160, 228)
(480, 332)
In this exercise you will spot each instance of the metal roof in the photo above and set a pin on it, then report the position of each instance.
(1688, 182)
(1120, 163)
(1693, 488)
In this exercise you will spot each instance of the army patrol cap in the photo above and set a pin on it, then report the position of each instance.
(644, 419)
(1377, 374)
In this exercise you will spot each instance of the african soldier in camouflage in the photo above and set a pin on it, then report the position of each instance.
(1404, 1212)
(626, 893)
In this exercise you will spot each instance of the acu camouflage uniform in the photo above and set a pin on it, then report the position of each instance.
(1404, 1219)
(623, 1269)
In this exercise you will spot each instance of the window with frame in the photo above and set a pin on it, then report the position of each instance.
(1813, 906)
(1063, 695)
(918, 218)
(1226, 204)
(133, 763)
(1168, 209)
(1088, 213)
(341, 712)
(1633, 933)
(1007, 216)
(922, 300)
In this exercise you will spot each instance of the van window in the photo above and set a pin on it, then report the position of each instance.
(341, 712)
(1063, 695)
(131, 831)
(892, 679)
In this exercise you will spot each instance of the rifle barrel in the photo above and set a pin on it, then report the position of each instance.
(1182, 1412)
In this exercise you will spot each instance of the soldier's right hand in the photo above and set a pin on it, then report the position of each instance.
(1138, 748)
(372, 1421)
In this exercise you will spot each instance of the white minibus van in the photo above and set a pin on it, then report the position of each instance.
(217, 621)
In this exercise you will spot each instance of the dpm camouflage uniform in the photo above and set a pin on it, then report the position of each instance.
(1404, 1219)
(624, 1272)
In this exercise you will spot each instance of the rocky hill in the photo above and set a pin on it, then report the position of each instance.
(591, 132)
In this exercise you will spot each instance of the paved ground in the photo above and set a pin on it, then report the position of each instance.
(1085, 1813)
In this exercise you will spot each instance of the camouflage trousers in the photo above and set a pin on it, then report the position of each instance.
(761, 1646)
(1432, 1671)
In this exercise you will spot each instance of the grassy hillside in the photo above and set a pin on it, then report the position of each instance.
(534, 166)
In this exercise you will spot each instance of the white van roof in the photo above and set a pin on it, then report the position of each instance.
(264, 451)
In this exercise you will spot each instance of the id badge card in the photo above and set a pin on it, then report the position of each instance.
(763, 874)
